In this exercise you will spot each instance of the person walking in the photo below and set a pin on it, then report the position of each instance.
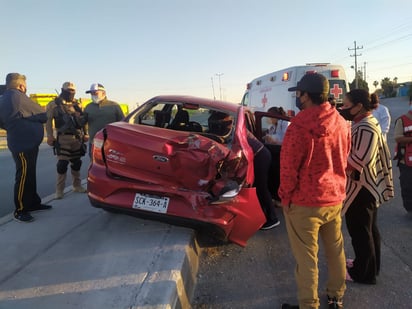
(100, 112)
(369, 184)
(403, 153)
(68, 140)
(381, 113)
(313, 161)
(23, 120)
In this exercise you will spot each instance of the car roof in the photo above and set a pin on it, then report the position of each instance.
(224, 105)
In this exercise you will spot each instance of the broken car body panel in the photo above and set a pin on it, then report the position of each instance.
(178, 170)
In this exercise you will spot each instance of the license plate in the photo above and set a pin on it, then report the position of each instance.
(151, 203)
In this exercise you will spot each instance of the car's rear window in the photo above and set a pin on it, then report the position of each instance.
(184, 117)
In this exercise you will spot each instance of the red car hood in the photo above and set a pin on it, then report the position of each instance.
(160, 156)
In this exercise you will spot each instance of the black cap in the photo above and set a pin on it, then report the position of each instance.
(312, 83)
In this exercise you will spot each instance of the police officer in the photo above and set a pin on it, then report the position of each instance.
(23, 120)
(68, 140)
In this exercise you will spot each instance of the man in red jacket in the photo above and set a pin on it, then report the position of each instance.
(312, 187)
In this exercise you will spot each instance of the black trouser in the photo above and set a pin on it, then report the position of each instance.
(405, 179)
(25, 185)
(261, 164)
(361, 221)
(274, 171)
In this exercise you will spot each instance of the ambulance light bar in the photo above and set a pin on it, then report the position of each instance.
(285, 76)
(334, 73)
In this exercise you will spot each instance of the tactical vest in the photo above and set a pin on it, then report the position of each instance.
(66, 121)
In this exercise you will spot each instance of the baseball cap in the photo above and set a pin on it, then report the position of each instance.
(312, 83)
(69, 86)
(95, 87)
(14, 76)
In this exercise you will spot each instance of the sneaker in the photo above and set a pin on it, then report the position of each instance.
(270, 224)
(334, 303)
(40, 208)
(23, 217)
(287, 306)
(79, 190)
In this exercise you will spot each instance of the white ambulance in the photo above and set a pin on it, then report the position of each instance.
(272, 89)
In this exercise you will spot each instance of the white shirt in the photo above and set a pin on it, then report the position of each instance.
(277, 132)
(381, 113)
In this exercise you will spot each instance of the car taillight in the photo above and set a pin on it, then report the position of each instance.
(97, 150)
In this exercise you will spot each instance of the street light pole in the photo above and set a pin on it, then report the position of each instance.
(220, 85)
(213, 89)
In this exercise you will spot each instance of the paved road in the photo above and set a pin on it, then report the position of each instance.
(260, 276)
(46, 176)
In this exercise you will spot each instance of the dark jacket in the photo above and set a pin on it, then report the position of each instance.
(23, 120)
(100, 114)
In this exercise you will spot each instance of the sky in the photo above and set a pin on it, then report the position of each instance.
(212, 48)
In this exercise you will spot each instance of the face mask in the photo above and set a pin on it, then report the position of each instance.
(299, 104)
(68, 96)
(96, 99)
(345, 113)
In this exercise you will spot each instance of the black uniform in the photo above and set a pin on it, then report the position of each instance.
(23, 120)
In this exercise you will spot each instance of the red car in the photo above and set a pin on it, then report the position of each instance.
(183, 160)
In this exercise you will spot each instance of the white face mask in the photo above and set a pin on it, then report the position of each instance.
(96, 98)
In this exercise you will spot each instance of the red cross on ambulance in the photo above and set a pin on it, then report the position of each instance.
(336, 90)
(264, 101)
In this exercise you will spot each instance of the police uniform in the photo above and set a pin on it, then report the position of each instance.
(67, 138)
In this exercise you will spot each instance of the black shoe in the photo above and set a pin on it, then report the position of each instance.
(334, 303)
(40, 207)
(287, 306)
(23, 217)
(270, 224)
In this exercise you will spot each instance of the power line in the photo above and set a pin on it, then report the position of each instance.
(355, 49)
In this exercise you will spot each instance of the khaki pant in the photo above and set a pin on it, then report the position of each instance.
(304, 225)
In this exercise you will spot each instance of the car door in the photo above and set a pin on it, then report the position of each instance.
(261, 122)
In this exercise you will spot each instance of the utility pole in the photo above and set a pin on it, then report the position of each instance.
(220, 85)
(356, 61)
(364, 71)
(213, 89)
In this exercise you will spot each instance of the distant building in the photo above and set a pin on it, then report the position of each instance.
(403, 89)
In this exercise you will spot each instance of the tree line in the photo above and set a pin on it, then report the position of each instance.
(388, 87)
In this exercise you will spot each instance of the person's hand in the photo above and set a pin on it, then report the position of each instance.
(86, 138)
(270, 139)
(50, 140)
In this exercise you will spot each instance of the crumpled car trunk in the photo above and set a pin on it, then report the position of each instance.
(158, 156)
